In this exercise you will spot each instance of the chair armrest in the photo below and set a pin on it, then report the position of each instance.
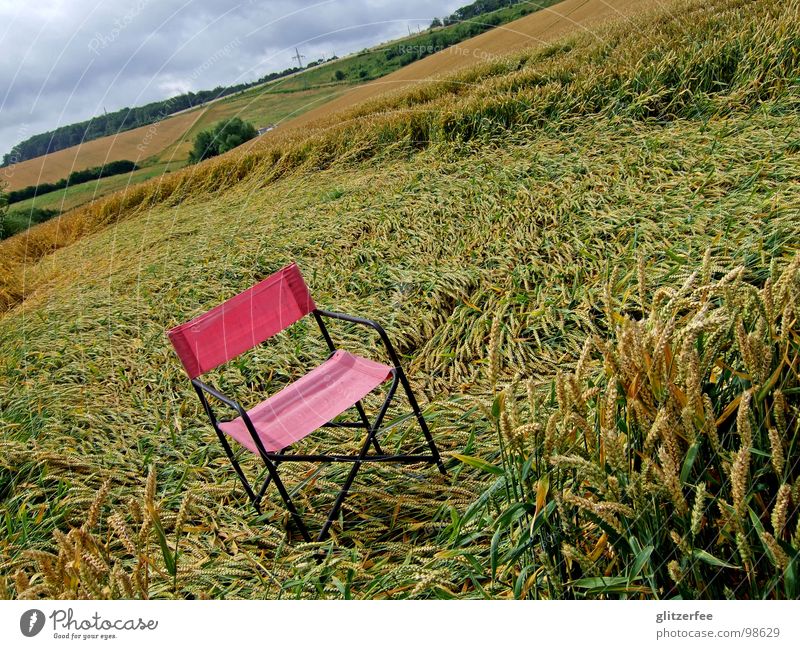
(220, 397)
(367, 323)
(202, 387)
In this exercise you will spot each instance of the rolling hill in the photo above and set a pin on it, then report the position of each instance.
(294, 107)
(270, 102)
(167, 141)
(545, 26)
(137, 145)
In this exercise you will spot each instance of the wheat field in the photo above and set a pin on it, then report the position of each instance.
(538, 29)
(587, 255)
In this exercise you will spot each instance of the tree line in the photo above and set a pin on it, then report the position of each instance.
(110, 123)
(477, 8)
(75, 178)
(222, 137)
(461, 25)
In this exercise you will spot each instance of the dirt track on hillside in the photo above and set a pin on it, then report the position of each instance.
(538, 28)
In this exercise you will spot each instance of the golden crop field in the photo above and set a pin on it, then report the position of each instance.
(587, 254)
(170, 140)
(540, 28)
(137, 144)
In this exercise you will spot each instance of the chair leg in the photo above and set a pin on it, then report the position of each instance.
(362, 413)
(228, 451)
(357, 464)
(269, 477)
(287, 500)
(248, 489)
(422, 423)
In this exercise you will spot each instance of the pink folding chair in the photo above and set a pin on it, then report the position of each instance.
(312, 402)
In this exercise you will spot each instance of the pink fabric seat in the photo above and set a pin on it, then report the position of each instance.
(308, 403)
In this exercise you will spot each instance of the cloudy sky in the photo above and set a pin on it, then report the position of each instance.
(65, 61)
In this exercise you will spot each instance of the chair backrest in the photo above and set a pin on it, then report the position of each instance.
(242, 322)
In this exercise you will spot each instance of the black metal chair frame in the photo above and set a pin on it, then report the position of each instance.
(272, 459)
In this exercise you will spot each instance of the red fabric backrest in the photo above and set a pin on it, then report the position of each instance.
(242, 322)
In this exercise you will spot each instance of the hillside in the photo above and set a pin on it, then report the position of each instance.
(168, 144)
(167, 141)
(274, 100)
(587, 253)
(137, 144)
(540, 28)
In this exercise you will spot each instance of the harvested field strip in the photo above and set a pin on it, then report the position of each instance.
(137, 145)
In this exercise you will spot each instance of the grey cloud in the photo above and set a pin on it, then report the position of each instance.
(67, 61)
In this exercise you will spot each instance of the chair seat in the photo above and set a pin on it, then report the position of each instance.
(308, 403)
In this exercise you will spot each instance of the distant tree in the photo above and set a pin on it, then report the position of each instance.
(203, 147)
(222, 137)
(436, 22)
(3, 208)
(340, 75)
